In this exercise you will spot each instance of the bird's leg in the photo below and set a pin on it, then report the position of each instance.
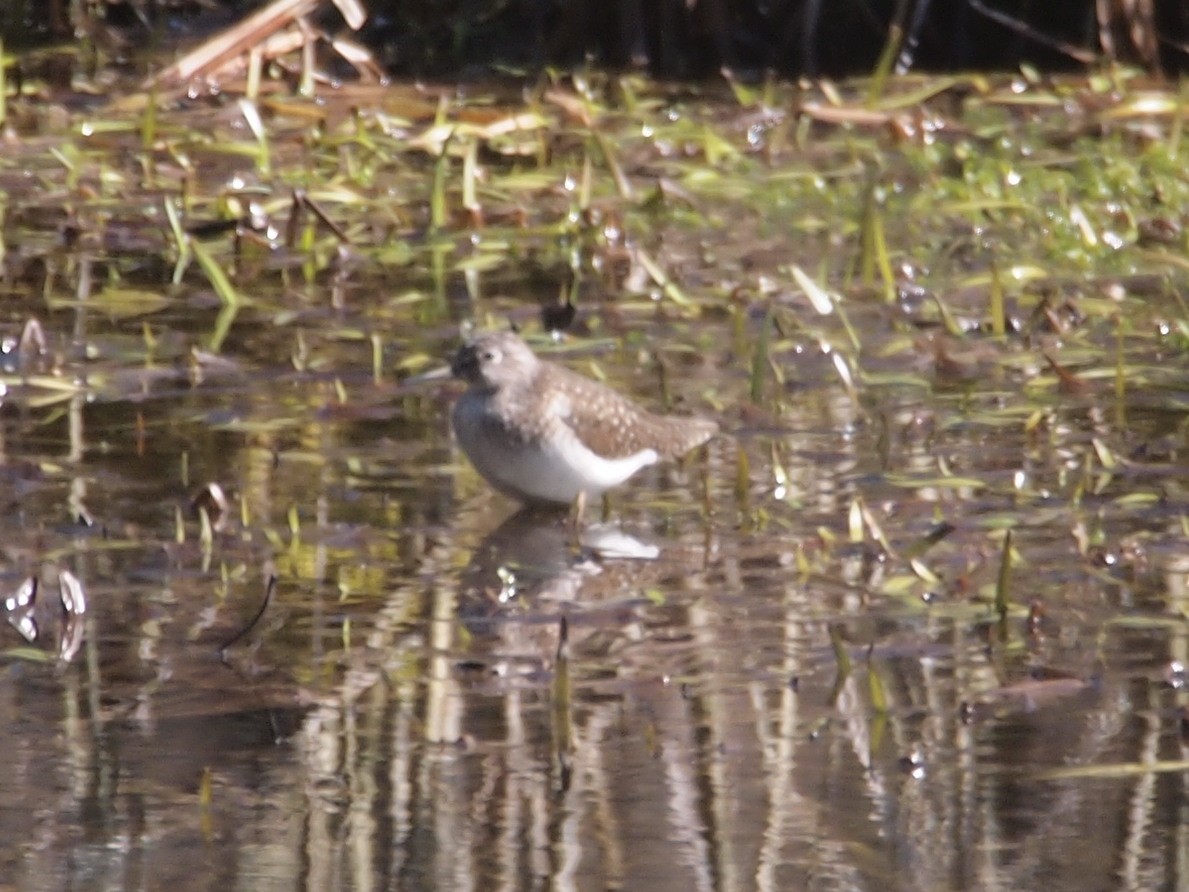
(577, 511)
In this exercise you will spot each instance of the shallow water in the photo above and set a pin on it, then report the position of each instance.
(768, 675)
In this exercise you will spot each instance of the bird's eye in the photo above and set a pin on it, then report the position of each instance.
(490, 355)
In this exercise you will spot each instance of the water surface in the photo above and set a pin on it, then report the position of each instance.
(779, 664)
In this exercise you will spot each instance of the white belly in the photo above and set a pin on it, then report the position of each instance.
(550, 469)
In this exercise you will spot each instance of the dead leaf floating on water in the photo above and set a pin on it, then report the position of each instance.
(33, 618)
(212, 500)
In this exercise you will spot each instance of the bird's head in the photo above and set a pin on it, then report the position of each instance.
(494, 360)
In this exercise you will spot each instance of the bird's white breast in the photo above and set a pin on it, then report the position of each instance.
(546, 463)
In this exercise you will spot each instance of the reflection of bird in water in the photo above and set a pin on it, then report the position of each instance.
(525, 575)
(541, 433)
(531, 556)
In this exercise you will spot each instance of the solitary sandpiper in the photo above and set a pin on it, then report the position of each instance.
(541, 433)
